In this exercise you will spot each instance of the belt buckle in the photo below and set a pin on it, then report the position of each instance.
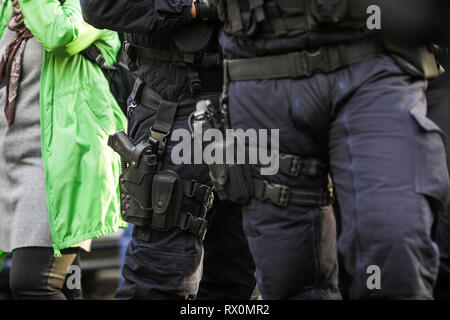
(295, 167)
(191, 219)
(277, 194)
(314, 61)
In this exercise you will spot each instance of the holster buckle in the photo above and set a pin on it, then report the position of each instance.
(160, 136)
(195, 225)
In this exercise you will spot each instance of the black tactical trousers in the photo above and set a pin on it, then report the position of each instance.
(171, 264)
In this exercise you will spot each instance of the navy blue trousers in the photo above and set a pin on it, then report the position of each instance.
(388, 166)
(172, 264)
(438, 96)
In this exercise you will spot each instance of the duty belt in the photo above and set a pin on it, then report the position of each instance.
(197, 59)
(295, 166)
(283, 196)
(166, 110)
(302, 64)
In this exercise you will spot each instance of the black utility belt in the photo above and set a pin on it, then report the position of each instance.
(302, 64)
(177, 57)
(284, 196)
(235, 183)
(166, 111)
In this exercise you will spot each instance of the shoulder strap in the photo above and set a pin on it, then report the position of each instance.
(93, 54)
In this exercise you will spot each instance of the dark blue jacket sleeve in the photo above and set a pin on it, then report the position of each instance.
(137, 16)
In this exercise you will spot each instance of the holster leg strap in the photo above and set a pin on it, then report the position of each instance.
(190, 223)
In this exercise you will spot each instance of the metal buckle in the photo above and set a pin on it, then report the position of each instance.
(160, 136)
(126, 47)
(209, 201)
(276, 193)
(131, 108)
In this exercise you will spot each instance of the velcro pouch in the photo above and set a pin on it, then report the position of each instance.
(167, 199)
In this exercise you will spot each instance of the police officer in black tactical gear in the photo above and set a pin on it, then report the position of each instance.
(350, 101)
(174, 51)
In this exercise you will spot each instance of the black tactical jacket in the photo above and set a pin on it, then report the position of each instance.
(151, 24)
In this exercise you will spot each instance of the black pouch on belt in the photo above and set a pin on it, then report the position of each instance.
(232, 182)
(167, 199)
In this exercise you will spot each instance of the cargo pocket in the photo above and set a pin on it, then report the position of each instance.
(431, 173)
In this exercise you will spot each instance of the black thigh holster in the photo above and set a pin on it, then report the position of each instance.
(152, 199)
(234, 182)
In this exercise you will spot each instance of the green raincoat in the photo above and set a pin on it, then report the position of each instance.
(5, 13)
(78, 113)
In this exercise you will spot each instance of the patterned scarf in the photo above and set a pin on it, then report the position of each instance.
(11, 61)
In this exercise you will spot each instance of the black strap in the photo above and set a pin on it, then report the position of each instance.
(257, 6)
(143, 94)
(198, 192)
(93, 54)
(302, 64)
(195, 84)
(186, 222)
(165, 119)
(283, 196)
(267, 18)
(197, 59)
(234, 12)
(295, 166)
(277, 20)
(193, 224)
(133, 50)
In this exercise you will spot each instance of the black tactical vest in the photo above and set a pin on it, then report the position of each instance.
(192, 46)
(285, 18)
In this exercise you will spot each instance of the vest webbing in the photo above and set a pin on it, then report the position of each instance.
(285, 18)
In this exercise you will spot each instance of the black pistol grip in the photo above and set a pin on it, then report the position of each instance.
(121, 143)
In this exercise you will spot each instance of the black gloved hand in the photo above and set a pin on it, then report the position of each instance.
(206, 9)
